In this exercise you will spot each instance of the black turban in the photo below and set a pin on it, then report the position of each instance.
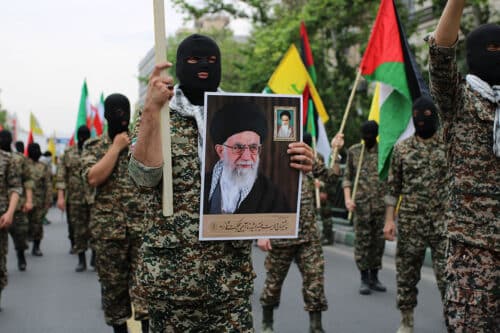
(236, 118)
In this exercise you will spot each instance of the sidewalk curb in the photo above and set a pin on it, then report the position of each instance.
(345, 235)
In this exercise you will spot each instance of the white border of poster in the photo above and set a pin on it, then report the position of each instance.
(273, 165)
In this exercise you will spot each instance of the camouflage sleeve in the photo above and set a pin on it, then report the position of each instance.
(444, 78)
(323, 173)
(28, 182)
(142, 175)
(61, 174)
(349, 170)
(48, 184)
(395, 179)
(14, 181)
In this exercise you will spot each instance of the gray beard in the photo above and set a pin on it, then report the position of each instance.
(235, 185)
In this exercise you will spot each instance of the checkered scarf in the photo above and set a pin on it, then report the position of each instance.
(492, 94)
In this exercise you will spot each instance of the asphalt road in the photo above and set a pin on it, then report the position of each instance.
(50, 297)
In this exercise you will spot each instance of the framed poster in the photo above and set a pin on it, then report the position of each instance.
(249, 190)
(284, 123)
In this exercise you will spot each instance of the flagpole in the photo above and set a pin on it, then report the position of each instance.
(356, 179)
(161, 56)
(316, 189)
(346, 114)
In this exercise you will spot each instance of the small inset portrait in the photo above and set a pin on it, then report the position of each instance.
(284, 123)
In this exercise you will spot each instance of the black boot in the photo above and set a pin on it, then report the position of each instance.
(375, 284)
(267, 319)
(315, 322)
(21, 260)
(145, 326)
(120, 328)
(36, 249)
(364, 289)
(82, 262)
(92, 258)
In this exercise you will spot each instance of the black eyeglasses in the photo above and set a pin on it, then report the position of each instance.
(239, 149)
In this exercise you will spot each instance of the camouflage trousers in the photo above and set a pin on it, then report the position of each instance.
(369, 242)
(311, 264)
(410, 255)
(69, 218)
(472, 300)
(35, 218)
(327, 226)
(231, 316)
(19, 231)
(116, 265)
(4, 248)
(78, 224)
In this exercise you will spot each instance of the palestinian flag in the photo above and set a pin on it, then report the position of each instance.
(389, 61)
(314, 125)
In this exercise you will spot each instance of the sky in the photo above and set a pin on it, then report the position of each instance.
(48, 48)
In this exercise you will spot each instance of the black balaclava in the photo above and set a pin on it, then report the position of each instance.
(483, 63)
(82, 134)
(5, 140)
(117, 113)
(425, 117)
(200, 47)
(19, 146)
(369, 133)
(34, 151)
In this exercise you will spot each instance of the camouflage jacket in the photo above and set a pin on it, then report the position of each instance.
(308, 228)
(116, 202)
(473, 215)
(68, 176)
(42, 180)
(419, 173)
(371, 190)
(21, 163)
(176, 265)
(10, 180)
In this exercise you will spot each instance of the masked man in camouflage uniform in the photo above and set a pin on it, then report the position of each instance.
(71, 197)
(368, 208)
(19, 228)
(42, 196)
(470, 111)
(306, 250)
(116, 229)
(419, 173)
(10, 189)
(191, 286)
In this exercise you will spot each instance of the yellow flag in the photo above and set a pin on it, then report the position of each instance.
(375, 107)
(34, 125)
(291, 77)
(51, 146)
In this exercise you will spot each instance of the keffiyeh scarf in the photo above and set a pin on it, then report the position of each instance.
(492, 94)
